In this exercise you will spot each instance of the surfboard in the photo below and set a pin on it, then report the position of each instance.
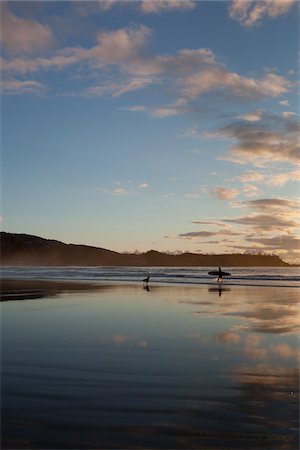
(216, 273)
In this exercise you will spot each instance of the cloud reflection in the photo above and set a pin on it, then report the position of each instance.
(269, 311)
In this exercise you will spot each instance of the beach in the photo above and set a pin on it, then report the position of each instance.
(115, 365)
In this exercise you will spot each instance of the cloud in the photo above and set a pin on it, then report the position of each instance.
(218, 78)
(284, 103)
(150, 6)
(225, 194)
(167, 111)
(120, 45)
(280, 242)
(288, 114)
(116, 89)
(121, 64)
(273, 204)
(274, 179)
(21, 87)
(273, 215)
(250, 190)
(254, 117)
(250, 12)
(176, 108)
(158, 6)
(272, 228)
(136, 108)
(124, 188)
(205, 234)
(280, 179)
(251, 176)
(273, 138)
(106, 5)
(116, 47)
(264, 222)
(211, 222)
(19, 35)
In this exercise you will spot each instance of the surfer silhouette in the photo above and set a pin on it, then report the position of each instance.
(220, 274)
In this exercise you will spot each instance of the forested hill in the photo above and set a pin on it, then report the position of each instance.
(27, 250)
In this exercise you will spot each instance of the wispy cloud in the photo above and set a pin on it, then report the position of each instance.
(149, 6)
(21, 87)
(251, 12)
(280, 179)
(274, 138)
(116, 89)
(275, 179)
(251, 176)
(143, 186)
(124, 65)
(273, 226)
(254, 117)
(226, 193)
(264, 222)
(218, 78)
(284, 103)
(116, 47)
(158, 6)
(250, 190)
(123, 188)
(269, 225)
(274, 204)
(176, 108)
(191, 235)
(279, 242)
(209, 222)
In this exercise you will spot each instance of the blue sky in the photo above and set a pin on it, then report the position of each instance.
(167, 125)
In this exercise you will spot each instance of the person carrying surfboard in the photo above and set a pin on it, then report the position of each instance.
(220, 274)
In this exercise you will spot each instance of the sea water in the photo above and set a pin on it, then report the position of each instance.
(181, 366)
(246, 276)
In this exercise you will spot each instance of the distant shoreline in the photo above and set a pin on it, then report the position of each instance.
(26, 250)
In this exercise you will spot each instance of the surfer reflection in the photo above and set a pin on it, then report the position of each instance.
(147, 288)
(219, 289)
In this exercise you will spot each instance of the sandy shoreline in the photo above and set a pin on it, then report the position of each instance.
(20, 289)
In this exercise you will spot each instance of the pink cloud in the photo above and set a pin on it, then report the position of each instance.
(23, 35)
(249, 12)
(226, 193)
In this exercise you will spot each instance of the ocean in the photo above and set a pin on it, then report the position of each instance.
(243, 276)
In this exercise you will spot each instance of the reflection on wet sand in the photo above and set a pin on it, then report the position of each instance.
(268, 311)
(166, 368)
(219, 289)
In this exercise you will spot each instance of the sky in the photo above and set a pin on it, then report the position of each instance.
(170, 125)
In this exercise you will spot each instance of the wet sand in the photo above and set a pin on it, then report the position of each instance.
(116, 366)
(29, 289)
